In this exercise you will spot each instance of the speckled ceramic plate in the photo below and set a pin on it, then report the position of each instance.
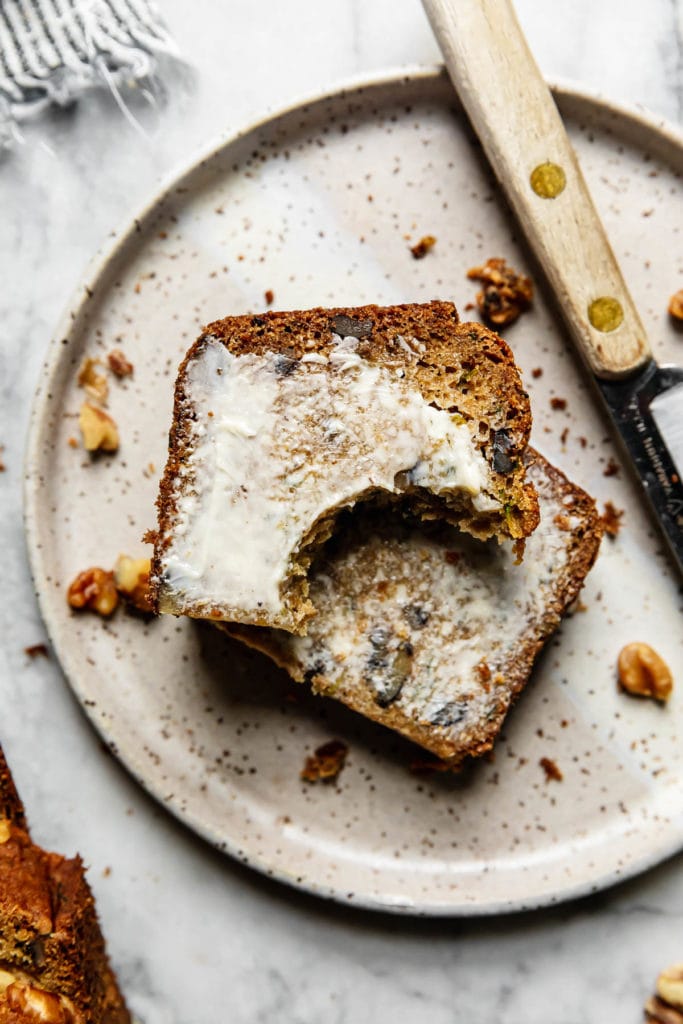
(320, 204)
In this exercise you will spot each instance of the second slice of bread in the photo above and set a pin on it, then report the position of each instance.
(430, 632)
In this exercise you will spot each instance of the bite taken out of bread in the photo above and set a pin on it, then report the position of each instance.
(433, 633)
(281, 421)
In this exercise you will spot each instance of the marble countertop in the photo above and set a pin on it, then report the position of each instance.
(194, 936)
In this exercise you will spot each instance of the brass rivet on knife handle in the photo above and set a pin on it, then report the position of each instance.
(521, 130)
(606, 313)
(548, 180)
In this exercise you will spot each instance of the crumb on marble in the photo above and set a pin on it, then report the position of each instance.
(37, 651)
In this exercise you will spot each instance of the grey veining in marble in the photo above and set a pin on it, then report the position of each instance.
(195, 937)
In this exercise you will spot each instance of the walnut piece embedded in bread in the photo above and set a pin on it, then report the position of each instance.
(283, 420)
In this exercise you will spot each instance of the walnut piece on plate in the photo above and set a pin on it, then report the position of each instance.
(643, 672)
(94, 589)
(506, 293)
(93, 383)
(99, 430)
(131, 576)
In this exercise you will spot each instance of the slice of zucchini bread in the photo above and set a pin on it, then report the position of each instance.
(53, 961)
(282, 420)
(431, 632)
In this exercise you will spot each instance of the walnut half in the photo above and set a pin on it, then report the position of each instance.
(94, 589)
(670, 986)
(644, 673)
(35, 1004)
(659, 1012)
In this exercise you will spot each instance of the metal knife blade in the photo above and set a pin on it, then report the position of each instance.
(647, 411)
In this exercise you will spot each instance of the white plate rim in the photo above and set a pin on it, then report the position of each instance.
(640, 118)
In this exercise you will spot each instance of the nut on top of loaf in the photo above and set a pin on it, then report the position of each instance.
(282, 420)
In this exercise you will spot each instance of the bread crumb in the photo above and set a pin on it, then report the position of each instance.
(560, 404)
(537, 372)
(72, 442)
(269, 296)
(552, 772)
(118, 364)
(326, 763)
(37, 651)
(506, 293)
(562, 522)
(611, 519)
(422, 247)
(612, 468)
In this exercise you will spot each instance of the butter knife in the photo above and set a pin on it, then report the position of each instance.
(521, 131)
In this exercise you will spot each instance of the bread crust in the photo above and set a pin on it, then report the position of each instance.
(581, 544)
(463, 368)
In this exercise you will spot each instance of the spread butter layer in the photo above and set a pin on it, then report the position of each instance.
(276, 444)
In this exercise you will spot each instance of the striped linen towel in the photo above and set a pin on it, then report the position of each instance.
(52, 50)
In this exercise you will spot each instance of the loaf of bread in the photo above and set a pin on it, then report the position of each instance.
(283, 420)
(431, 632)
(53, 962)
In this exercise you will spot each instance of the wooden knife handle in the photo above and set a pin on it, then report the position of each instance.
(513, 112)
